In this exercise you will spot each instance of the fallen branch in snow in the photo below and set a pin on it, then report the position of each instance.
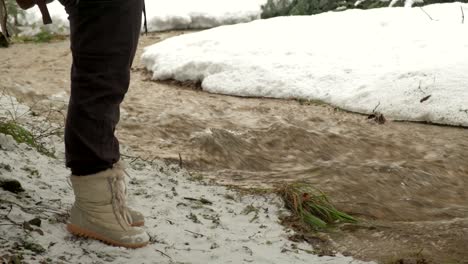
(426, 13)
(25, 209)
(375, 108)
(463, 14)
(424, 92)
(377, 116)
(6, 217)
(194, 233)
(201, 200)
(136, 158)
(37, 210)
(425, 99)
(162, 253)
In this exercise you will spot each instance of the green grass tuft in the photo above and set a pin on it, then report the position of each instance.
(312, 206)
(22, 135)
(41, 37)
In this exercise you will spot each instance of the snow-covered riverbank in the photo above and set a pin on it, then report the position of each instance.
(408, 63)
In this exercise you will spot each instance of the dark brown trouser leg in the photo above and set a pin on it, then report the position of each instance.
(104, 37)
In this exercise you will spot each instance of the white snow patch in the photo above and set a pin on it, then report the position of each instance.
(10, 108)
(162, 15)
(189, 14)
(353, 59)
(182, 230)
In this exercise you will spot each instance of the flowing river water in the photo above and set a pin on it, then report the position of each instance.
(408, 180)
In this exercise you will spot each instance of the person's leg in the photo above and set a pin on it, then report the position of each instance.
(104, 37)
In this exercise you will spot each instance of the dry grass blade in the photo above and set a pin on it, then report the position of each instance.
(312, 206)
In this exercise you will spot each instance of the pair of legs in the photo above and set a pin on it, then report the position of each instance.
(104, 37)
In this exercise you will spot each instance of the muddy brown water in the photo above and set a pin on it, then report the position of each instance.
(407, 180)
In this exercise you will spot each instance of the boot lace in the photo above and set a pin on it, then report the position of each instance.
(119, 194)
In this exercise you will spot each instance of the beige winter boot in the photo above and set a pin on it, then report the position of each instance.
(137, 218)
(100, 210)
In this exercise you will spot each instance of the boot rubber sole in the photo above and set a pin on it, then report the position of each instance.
(138, 224)
(78, 231)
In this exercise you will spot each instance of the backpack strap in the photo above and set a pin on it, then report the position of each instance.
(144, 13)
(42, 4)
(44, 11)
(4, 34)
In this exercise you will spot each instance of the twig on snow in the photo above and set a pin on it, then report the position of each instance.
(198, 234)
(33, 210)
(201, 200)
(463, 14)
(425, 99)
(375, 108)
(136, 158)
(7, 217)
(426, 13)
(377, 116)
(162, 253)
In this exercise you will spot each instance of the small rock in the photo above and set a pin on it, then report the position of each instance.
(214, 246)
(13, 186)
(27, 226)
(35, 222)
(5, 167)
(36, 248)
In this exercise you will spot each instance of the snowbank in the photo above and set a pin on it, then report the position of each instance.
(32, 21)
(189, 14)
(189, 220)
(392, 58)
(164, 15)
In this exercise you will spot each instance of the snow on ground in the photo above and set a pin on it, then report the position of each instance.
(163, 15)
(399, 61)
(189, 220)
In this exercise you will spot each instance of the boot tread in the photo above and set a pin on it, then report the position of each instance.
(78, 231)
